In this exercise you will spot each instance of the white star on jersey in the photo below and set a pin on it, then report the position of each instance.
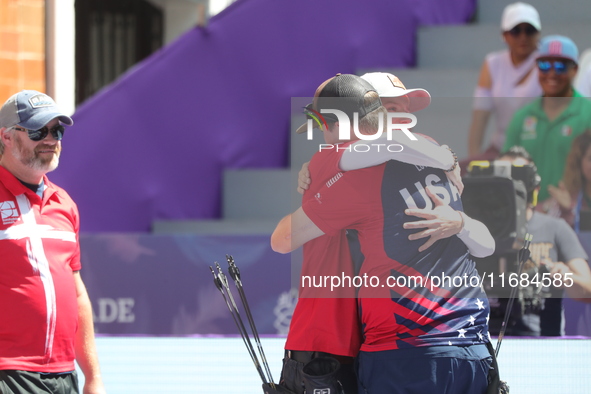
(480, 304)
(487, 317)
(462, 333)
(471, 320)
(480, 336)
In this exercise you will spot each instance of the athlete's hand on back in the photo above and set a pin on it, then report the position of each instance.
(440, 222)
(304, 178)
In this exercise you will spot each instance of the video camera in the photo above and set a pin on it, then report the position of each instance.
(497, 194)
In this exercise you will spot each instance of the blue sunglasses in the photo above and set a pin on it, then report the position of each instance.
(560, 67)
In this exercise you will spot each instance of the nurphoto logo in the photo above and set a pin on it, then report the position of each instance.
(404, 122)
(345, 125)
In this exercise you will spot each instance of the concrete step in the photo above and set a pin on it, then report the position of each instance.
(214, 227)
(253, 202)
(458, 82)
(445, 47)
(258, 194)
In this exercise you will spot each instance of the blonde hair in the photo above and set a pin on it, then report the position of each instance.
(370, 123)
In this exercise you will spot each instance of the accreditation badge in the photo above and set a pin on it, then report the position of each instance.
(529, 128)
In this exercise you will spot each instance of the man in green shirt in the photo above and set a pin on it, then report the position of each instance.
(547, 126)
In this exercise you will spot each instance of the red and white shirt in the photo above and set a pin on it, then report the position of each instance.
(39, 251)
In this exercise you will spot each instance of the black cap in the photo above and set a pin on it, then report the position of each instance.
(344, 92)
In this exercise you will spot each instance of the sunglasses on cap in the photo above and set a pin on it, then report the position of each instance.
(529, 30)
(37, 135)
(560, 66)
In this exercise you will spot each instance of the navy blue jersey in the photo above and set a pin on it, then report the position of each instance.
(407, 298)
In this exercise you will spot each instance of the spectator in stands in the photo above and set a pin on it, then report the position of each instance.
(571, 200)
(555, 250)
(547, 127)
(508, 80)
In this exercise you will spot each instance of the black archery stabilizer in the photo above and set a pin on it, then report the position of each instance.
(235, 275)
(496, 385)
(522, 257)
(221, 282)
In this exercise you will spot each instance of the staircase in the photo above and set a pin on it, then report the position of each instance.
(448, 64)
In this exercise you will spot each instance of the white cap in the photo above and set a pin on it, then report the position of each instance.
(388, 85)
(517, 13)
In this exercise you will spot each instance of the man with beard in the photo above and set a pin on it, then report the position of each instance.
(46, 320)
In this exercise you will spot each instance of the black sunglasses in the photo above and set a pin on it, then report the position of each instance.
(37, 135)
(529, 30)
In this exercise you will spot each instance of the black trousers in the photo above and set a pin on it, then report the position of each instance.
(25, 382)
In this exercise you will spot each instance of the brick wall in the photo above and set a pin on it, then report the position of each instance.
(22, 46)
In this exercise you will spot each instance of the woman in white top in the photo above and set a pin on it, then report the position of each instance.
(508, 79)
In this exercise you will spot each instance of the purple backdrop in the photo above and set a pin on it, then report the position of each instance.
(153, 144)
(161, 285)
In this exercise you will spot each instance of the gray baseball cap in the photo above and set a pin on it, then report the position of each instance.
(32, 110)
